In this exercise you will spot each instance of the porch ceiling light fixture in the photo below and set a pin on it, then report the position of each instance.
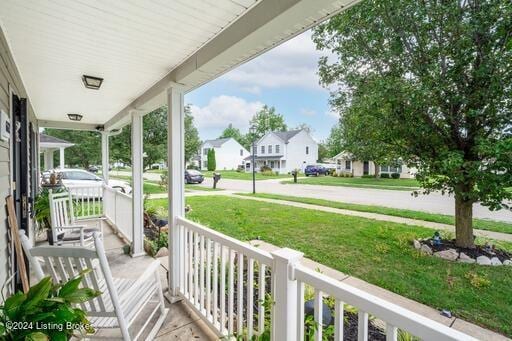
(91, 82)
(75, 117)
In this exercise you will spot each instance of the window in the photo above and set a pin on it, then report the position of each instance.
(348, 165)
(241, 152)
(262, 149)
(205, 164)
(277, 148)
(271, 163)
(391, 169)
(270, 149)
(307, 150)
(205, 151)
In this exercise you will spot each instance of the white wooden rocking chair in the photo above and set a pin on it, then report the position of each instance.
(122, 299)
(66, 228)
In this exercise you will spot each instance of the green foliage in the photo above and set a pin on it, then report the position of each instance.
(266, 120)
(192, 141)
(42, 209)
(395, 175)
(47, 304)
(235, 133)
(384, 175)
(334, 143)
(431, 82)
(85, 152)
(211, 164)
(158, 243)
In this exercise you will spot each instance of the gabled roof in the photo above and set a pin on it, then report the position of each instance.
(46, 141)
(286, 135)
(218, 142)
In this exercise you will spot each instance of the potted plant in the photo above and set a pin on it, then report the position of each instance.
(42, 212)
(47, 311)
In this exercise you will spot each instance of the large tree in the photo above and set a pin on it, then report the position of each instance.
(87, 148)
(432, 81)
(266, 120)
(235, 133)
(155, 138)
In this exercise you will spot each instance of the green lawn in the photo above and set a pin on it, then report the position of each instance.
(244, 176)
(378, 252)
(482, 224)
(394, 184)
(202, 188)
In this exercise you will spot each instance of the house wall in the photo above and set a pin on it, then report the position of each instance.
(227, 156)
(10, 82)
(271, 140)
(358, 168)
(296, 157)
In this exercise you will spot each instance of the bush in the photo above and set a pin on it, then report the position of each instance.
(367, 176)
(211, 164)
(384, 175)
(240, 169)
(265, 168)
(267, 173)
(395, 175)
(192, 167)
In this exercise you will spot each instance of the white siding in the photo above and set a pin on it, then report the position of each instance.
(228, 156)
(296, 157)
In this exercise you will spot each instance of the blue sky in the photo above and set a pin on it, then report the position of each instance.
(285, 77)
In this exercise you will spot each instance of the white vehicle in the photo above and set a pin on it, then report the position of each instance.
(74, 177)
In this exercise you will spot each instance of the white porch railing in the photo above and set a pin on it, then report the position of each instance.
(224, 280)
(87, 200)
(117, 208)
(227, 282)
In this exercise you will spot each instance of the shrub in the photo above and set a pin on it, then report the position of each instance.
(240, 169)
(395, 175)
(265, 168)
(367, 176)
(211, 163)
(267, 173)
(192, 167)
(163, 180)
(384, 175)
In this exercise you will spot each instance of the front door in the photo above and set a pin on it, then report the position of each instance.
(366, 167)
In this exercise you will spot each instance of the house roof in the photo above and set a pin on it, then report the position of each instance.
(47, 141)
(264, 157)
(286, 135)
(217, 142)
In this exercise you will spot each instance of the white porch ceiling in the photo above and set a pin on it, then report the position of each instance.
(139, 47)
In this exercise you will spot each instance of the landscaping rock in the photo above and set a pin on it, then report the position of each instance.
(495, 261)
(417, 244)
(163, 252)
(164, 228)
(507, 262)
(426, 249)
(450, 254)
(463, 258)
(483, 260)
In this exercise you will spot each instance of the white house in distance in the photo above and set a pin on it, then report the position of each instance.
(48, 145)
(284, 151)
(229, 154)
(346, 163)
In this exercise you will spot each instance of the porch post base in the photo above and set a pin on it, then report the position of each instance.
(138, 254)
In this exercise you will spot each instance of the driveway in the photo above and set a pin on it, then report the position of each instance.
(433, 203)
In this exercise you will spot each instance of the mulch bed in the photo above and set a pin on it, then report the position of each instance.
(479, 250)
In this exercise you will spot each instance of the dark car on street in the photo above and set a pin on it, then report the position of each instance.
(315, 170)
(193, 177)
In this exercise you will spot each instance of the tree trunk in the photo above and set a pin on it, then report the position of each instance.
(463, 222)
(377, 169)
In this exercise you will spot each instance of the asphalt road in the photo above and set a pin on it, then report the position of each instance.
(433, 203)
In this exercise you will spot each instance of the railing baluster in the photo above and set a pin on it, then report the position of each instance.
(186, 264)
(391, 332)
(196, 269)
(208, 279)
(240, 294)
(338, 320)
(191, 265)
(261, 298)
(201, 274)
(215, 302)
(362, 326)
(300, 312)
(250, 297)
(231, 291)
(222, 295)
(318, 315)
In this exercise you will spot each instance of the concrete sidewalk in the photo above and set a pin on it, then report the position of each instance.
(376, 216)
(419, 308)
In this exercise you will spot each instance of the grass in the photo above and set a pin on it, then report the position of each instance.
(202, 188)
(482, 224)
(393, 184)
(245, 176)
(377, 252)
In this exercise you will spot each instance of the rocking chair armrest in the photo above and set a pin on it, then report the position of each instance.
(72, 227)
(150, 271)
(90, 219)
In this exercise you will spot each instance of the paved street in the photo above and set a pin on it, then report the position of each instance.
(434, 203)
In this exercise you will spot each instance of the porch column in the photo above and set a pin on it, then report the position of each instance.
(61, 157)
(137, 185)
(176, 185)
(48, 159)
(104, 155)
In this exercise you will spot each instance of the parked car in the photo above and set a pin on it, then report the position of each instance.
(79, 177)
(93, 169)
(193, 176)
(315, 170)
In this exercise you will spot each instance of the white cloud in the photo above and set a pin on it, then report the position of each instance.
(307, 112)
(255, 90)
(292, 64)
(333, 114)
(223, 110)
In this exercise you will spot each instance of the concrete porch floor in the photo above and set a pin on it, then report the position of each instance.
(181, 322)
